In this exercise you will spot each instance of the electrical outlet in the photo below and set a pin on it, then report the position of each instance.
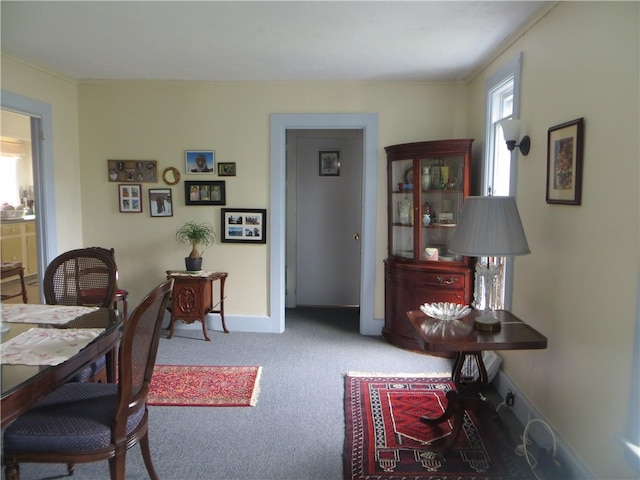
(510, 398)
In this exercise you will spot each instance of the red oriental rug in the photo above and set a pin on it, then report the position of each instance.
(385, 439)
(198, 386)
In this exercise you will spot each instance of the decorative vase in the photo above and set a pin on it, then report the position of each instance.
(426, 178)
(426, 219)
(193, 264)
(404, 211)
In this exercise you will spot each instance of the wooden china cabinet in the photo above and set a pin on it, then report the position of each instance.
(427, 185)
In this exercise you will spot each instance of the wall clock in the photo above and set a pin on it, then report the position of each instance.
(171, 175)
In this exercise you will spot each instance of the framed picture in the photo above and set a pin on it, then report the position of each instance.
(199, 161)
(329, 163)
(160, 203)
(564, 163)
(244, 225)
(130, 198)
(133, 171)
(227, 169)
(204, 193)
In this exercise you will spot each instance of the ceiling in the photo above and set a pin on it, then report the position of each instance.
(262, 40)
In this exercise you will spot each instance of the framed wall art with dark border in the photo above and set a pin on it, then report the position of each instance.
(139, 171)
(227, 169)
(329, 163)
(204, 193)
(564, 162)
(244, 225)
(130, 198)
(160, 202)
(200, 161)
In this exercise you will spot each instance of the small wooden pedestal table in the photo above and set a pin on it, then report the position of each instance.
(461, 337)
(192, 298)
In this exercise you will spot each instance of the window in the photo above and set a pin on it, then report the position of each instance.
(503, 101)
(8, 181)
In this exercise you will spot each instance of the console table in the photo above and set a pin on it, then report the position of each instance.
(460, 337)
(192, 298)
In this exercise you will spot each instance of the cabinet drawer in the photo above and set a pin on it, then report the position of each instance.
(444, 280)
(12, 229)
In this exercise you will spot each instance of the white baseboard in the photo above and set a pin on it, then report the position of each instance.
(235, 323)
(524, 412)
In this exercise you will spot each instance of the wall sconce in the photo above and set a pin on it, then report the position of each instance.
(511, 132)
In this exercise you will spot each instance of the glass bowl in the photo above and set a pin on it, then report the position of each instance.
(445, 310)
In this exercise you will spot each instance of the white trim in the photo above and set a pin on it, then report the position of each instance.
(280, 123)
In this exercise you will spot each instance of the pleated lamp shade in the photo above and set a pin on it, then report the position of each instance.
(489, 227)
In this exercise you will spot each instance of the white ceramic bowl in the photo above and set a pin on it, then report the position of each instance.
(445, 310)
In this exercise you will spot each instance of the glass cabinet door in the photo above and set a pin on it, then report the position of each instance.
(441, 197)
(402, 217)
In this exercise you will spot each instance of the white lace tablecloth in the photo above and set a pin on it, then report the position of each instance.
(49, 314)
(46, 346)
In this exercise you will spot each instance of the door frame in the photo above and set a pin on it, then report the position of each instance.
(41, 117)
(280, 123)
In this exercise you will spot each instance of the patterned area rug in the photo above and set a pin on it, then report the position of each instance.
(385, 440)
(198, 386)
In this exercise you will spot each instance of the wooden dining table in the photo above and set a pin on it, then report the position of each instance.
(25, 385)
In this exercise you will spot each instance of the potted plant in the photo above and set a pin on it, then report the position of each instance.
(197, 234)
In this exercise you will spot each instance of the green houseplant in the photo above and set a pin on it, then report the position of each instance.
(196, 234)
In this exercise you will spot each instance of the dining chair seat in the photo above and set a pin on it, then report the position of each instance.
(77, 417)
(96, 372)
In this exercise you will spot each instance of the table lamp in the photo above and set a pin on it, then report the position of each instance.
(488, 227)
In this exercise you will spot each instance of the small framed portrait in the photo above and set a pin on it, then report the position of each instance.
(244, 225)
(139, 171)
(227, 169)
(200, 161)
(204, 193)
(130, 198)
(160, 203)
(564, 163)
(329, 163)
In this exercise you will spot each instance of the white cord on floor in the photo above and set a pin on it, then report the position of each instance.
(521, 450)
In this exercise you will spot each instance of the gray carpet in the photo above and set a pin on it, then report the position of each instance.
(296, 430)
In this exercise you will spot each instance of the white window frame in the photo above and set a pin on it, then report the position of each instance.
(496, 146)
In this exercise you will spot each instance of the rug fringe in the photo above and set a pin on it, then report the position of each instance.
(403, 374)
(256, 389)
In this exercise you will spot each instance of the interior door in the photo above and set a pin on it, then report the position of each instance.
(328, 220)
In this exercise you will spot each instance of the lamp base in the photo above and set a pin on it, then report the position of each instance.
(487, 323)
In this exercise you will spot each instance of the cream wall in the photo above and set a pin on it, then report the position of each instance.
(159, 120)
(28, 81)
(579, 284)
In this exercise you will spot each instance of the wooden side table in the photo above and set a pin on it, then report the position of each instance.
(468, 343)
(192, 298)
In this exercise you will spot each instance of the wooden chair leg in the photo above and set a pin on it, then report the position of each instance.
(146, 456)
(11, 470)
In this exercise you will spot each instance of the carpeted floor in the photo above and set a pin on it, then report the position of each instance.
(386, 440)
(204, 386)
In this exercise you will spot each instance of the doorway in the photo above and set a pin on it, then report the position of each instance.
(280, 123)
(324, 218)
(41, 120)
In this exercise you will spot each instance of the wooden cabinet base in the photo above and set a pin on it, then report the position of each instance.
(409, 285)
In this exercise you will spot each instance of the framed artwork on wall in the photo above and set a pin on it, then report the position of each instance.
(160, 202)
(244, 225)
(564, 162)
(138, 171)
(130, 198)
(204, 193)
(199, 161)
(227, 169)
(329, 163)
